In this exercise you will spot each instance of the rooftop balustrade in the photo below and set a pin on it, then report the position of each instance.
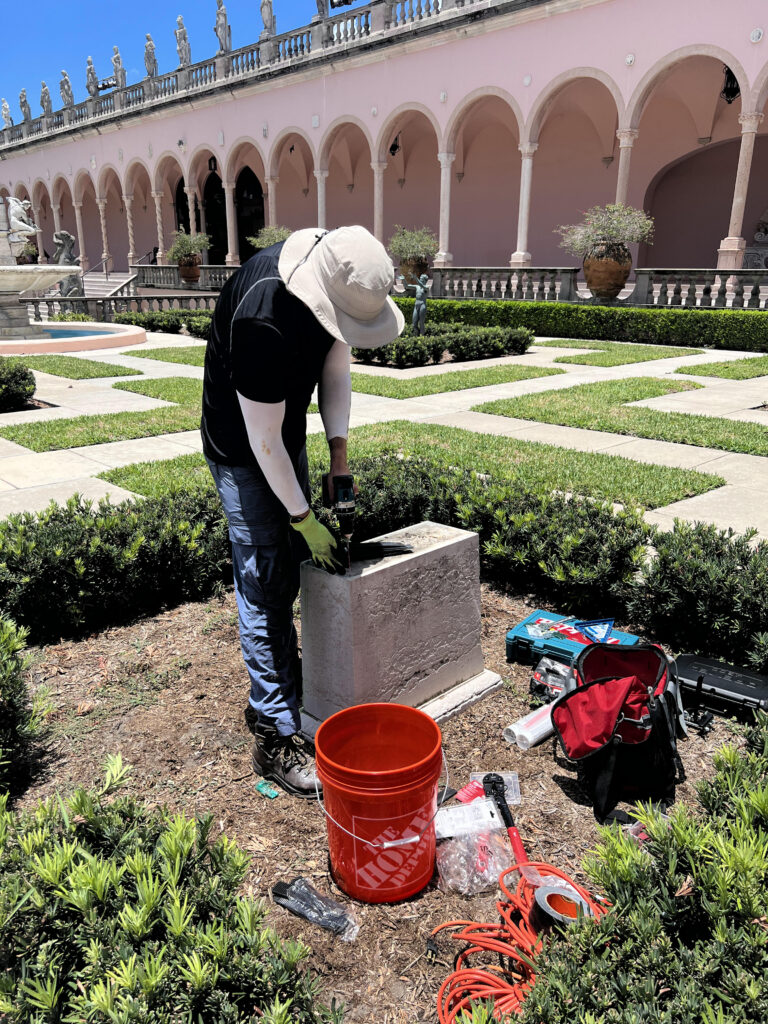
(385, 20)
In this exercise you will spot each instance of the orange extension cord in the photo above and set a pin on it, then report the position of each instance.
(514, 940)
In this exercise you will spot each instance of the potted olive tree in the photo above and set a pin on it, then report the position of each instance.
(601, 240)
(413, 250)
(185, 250)
(269, 235)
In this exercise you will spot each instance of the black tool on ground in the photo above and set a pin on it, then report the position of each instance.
(721, 687)
(696, 717)
(493, 785)
(339, 496)
(302, 899)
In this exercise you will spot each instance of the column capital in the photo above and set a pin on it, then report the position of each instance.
(101, 203)
(750, 121)
(77, 206)
(189, 189)
(158, 194)
(527, 149)
(228, 186)
(271, 179)
(378, 166)
(446, 159)
(127, 199)
(321, 173)
(626, 137)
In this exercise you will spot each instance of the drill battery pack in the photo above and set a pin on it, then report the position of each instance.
(547, 635)
(720, 686)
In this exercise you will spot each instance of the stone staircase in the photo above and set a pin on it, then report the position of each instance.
(97, 286)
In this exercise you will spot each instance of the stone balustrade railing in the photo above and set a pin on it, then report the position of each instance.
(212, 276)
(105, 309)
(542, 284)
(383, 18)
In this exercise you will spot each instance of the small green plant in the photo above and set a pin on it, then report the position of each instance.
(71, 318)
(271, 234)
(20, 714)
(186, 248)
(167, 321)
(17, 384)
(615, 223)
(115, 912)
(418, 244)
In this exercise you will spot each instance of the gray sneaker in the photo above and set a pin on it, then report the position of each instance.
(287, 760)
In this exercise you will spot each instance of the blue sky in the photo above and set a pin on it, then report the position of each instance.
(40, 39)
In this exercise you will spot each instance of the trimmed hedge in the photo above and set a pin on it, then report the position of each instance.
(715, 328)
(199, 326)
(71, 318)
(17, 384)
(167, 321)
(463, 343)
(19, 715)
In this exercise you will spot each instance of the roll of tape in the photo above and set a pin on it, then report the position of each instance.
(558, 906)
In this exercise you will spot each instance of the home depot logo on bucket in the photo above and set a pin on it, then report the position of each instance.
(394, 867)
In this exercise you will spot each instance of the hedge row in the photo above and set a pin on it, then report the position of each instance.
(17, 384)
(463, 343)
(715, 328)
(74, 569)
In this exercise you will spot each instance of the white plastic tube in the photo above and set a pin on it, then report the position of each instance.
(534, 728)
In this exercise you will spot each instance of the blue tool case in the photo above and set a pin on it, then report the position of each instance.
(563, 644)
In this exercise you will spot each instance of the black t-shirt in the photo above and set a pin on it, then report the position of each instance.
(276, 353)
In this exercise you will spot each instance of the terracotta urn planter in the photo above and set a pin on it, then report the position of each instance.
(606, 268)
(189, 268)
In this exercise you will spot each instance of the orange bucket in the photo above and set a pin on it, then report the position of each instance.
(379, 765)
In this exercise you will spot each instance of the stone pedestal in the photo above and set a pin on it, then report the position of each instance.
(730, 255)
(404, 628)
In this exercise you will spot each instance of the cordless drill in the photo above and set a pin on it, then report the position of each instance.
(339, 495)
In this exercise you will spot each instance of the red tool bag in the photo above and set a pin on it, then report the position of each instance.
(620, 725)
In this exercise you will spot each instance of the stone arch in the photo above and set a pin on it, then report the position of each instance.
(665, 66)
(546, 99)
(293, 185)
(381, 148)
(137, 187)
(273, 160)
(234, 161)
(759, 96)
(168, 172)
(82, 185)
(108, 175)
(197, 166)
(84, 193)
(110, 191)
(346, 154)
(212, 218)
(332, 133)
(460, 113)
(21, 191)
(132, 172)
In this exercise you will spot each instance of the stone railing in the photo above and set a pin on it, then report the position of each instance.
(379, 18)
(212, 276)
(105, 309)
(534, 284)
(737, 289)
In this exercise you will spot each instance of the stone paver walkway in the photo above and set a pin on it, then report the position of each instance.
(29, 481)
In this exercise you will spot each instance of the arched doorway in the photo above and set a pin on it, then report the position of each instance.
(181, 205)
(249, 204)
(215, 219)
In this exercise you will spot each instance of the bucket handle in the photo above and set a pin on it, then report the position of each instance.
(405, 841)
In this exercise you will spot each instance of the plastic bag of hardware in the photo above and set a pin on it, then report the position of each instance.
(472, 862)
(303, 899)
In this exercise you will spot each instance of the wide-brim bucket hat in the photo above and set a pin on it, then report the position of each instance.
(344, 277)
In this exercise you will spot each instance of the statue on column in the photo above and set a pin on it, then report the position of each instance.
(91, 79)
(119, 70)
(322, 8)
(222, 29)
(6, 112)
(65, 88)
(26, 113)
(268, 17)
(183, 48)
(150, 60)
(45, 100)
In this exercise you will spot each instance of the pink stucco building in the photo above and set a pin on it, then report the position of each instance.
(491, 122)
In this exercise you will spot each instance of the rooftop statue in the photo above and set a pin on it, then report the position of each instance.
(45, 100)
(65, 88)
(222, 29)
(91, 79)
(26, 113)
(182, 44)
(20, 224)
(268, 17)
(150, 60)
(119, 70)
(322, 8)
(7, 119)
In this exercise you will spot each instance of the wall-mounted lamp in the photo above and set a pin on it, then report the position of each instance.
(459, 176)
(730, 90)
(395, 147)
(212, 165)
(292, 148)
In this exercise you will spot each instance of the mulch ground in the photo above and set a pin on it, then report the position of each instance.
(168, 693)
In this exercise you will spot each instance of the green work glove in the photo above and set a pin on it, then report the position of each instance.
(321, 542)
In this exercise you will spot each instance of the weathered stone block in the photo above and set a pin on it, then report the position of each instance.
(404, 628)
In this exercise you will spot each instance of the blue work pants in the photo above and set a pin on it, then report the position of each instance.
(266, 554)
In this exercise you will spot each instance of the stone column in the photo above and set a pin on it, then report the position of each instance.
(191, 205)
(56, 210)
(233, 255)
(84, 262)
(321, 176)
(730, 255)
(444, 257)
(521, 257)
(626, 137)
(36, 215)
(378, 199)
(271, 184)
(105, 253)
(128, 203)
(158, 197)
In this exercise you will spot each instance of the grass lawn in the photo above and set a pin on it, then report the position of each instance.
(185, 392)
(615, 353)
(736, 369)
(435, 383)
(538, 466)
(190, 355)
(77, 369)
(602, 406)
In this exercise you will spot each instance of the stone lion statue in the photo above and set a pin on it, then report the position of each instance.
(65, 245)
